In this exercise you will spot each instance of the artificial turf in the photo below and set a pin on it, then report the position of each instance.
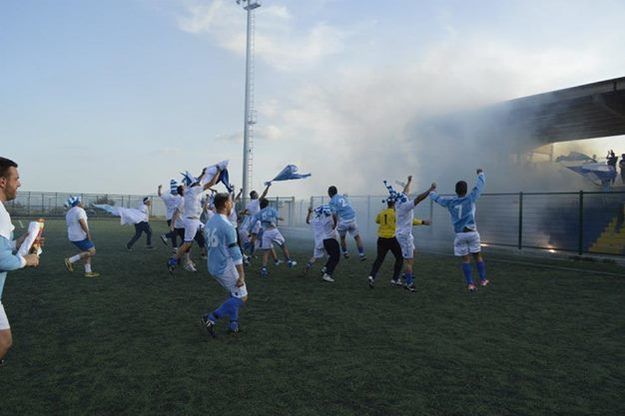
(537, 341)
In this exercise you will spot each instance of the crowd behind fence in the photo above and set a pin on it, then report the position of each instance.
(576, 222)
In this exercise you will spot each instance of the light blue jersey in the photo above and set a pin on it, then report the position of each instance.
(339, 204)
(462, 209)
(268, 218)
(8, 261)
(221, 240)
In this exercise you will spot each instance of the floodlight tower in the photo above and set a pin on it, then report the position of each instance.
(250, 115)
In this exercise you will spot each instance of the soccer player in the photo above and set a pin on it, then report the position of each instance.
(404, 211)
(171, 201)
(143, 226)
(251, 209)
(9, 260)
(79, 235)
(388, 242)
(269, 218)
(346, 221)
(192, 211)
(324, 228)
(467, 243)
(225, 264)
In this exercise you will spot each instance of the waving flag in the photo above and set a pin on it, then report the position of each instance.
(126, 215)
(287, 174)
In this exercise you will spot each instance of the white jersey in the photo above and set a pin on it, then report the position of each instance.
(145, 211)
(74, 230)
(323, 227)
(253, 207)
(171, 202)
(404, 214)
(193, 202)
(179, 221)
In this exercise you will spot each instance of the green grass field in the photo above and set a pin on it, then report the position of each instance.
(538, 341)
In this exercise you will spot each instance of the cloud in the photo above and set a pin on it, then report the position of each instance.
(279, 41)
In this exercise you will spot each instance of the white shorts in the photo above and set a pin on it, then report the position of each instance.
(466, 243)
(350, 226)
(229, 281)
(319, 251)
(406, 242)
(191, 227)
(270, 236)
(4, 321)
(255, 229)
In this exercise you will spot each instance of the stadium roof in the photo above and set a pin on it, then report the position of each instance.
(583, 112)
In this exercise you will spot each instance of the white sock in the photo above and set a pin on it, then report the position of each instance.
(74, 259)
(88, 268)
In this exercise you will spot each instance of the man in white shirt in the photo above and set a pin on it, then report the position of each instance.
(143, 226)
(9, 259)
(171, 201)
(251, 209)
(79, 234)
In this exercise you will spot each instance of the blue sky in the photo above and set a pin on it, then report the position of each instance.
(119, 96)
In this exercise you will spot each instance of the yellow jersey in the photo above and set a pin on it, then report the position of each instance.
(386, 220)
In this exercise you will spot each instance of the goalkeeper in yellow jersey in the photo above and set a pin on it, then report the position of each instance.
(387, 241)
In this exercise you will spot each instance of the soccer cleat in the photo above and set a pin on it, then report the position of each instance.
(69, 266)
(291, 263)
(346, 254)
(246, 260)
(411, 287)
(396, 282)
(171, 265)
(363, 257)
(484, 282)
(277, 262)
(472, 288)
(164, 239)
(327, 278)
(233, 328)
(371, 281)
(264, 272)
(209, 326)
(323, 270)
(128, 247)
(190, 267)
(2, 363)
(204, 256)
(92, 274)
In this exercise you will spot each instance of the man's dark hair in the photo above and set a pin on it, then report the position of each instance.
(220, 200)
(180, 190)
(461, 188)
(264, 202)
(332, 191)
(390, 203)
(253, 195)
(5, 164)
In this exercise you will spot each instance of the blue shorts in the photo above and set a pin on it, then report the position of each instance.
(84, 245)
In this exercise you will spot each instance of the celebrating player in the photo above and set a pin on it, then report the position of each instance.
(79, 235)
(171, 201)
(143, 225)
(324, 228)
(269, 218)
(346, 221)
(404, 208)
(467, 243)
(225, 264)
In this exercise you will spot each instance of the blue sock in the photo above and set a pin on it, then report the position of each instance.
(361, 251)
(481, 270)
(408, 278)
(467, 270)
(229, 308)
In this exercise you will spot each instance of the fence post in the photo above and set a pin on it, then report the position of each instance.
(520, 220)
(43, 204)
(581, 223)
(368, 213)
(28, 204)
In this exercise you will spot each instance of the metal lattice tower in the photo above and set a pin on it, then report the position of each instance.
(250, 114)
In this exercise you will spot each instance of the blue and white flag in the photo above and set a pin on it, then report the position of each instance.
(393, 195)
(72, 201)
(224, 176)
(187, 178)
(126, 215)
(173, 187)
(288, 173)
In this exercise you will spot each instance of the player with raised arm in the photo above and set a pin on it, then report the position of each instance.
(467, 243)
(269, 218)
(251, 209)
(225, 264)
(324, 228)
(79, 235)
(192, 200)
(346, 221)
(143, 225)
(404, 211)
(171, 201)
